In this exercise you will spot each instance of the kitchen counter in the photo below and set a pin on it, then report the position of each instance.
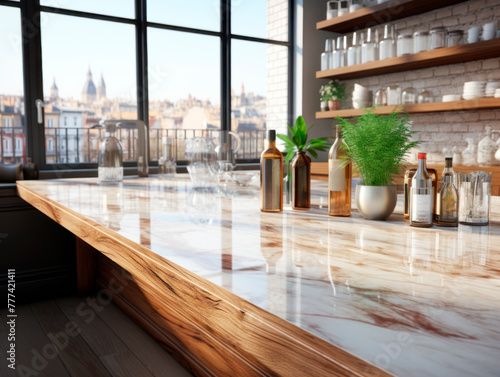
(294, 293)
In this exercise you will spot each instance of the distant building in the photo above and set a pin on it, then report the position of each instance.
(89, 91)
(101, 89)
(54, 92)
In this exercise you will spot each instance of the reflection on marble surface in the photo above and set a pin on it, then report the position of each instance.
(415, 302)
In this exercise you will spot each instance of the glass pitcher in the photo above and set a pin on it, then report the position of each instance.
(227, 145)
(110, 156)
(201, 157)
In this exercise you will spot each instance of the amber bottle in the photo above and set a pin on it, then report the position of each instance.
(271, 176)
(301, 181)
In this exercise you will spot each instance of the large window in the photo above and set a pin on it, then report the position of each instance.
(12, 120)
(187, 68)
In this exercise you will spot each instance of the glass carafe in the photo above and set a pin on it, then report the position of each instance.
(227, 145)
(469, 154)
(110, 159)
(201, 157)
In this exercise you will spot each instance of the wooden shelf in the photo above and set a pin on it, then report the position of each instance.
(381, 13)
(477, 104)
(425, 59)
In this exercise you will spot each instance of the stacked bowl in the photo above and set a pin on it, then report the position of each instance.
(491, 87)
(474, 89)
(361, 97)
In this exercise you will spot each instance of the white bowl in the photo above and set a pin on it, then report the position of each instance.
(451, 97)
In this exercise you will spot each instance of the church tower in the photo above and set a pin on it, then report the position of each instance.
(243, 99)
(89, 92)
(54, 91)
(101, 89)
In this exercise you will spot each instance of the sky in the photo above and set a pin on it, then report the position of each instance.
(180, 63)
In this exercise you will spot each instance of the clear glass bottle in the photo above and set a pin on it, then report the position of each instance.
(447, 197)
(110, 159)
(386, 45)
(421, 41)
(339, 179)
(354, 51)
(271, 176)
(301, 181)
(368, 50)
(486, 149)
(394, 95)
(407, 188)
(425, 96)
(421, 196)
(326, 55)
(469, 154)
(338, 54)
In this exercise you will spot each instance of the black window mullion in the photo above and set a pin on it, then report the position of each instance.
(142, 64)
(33, 84)
(291, 60)
(225, 109)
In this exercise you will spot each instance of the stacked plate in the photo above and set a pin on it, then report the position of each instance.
(451, 97)
(474, 89)
(497, 93)
(491, 87)
(361, 97)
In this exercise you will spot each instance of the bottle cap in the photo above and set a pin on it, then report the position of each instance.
(271, 135)
(422, 156)
(448, 162)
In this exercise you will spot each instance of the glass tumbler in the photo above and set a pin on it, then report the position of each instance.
(421, 41)
(409, 96)
(455, 38)
(405, 44)
(438, 37)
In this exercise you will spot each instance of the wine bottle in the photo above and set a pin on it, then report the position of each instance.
(407, 186)
(421, 196)
(339, 179)
(271, 176)
(447, 197)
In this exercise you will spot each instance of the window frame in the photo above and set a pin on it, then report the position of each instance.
(33, 73)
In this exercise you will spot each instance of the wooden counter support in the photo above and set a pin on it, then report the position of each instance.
(85, 267)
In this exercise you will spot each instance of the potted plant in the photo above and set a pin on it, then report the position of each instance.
(378, 145)
(332, 93)
(296, 147)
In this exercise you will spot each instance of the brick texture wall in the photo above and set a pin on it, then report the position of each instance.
(445, 129)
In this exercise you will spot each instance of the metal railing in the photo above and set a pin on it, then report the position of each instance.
(81, 145)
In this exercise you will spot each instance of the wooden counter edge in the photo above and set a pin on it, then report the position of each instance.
(234, 329)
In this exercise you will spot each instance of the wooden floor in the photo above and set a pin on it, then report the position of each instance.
(80, 337)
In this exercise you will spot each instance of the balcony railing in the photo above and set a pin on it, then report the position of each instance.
(65, 145)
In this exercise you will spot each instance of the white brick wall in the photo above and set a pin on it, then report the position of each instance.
(444, 130)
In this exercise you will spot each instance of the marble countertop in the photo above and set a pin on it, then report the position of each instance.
(414, 302)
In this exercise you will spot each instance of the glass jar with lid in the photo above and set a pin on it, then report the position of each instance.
(421, 41)
(405, 44)
(455, 38)
(380, 97)
(393, 95)
(438, 37)
(425, 96)
(409, 96)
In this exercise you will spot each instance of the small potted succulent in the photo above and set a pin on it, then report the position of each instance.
(331, 94)
(296, 147)
(378, 145)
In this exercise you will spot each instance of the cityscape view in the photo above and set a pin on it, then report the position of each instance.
(184, 90)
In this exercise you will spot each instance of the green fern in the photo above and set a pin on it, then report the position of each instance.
(298, 141)
(378, 144)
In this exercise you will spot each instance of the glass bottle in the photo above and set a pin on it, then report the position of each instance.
(271, 176)
(354, 51)
(368, 48)
(447, 197)
(407, 186)
(421, 196)
(486, 149)
(339, 179)
(386, 45)
(301, 181)
(326, 56)
(409, 96)
(110, 156)
(469, 154)
(339, 53)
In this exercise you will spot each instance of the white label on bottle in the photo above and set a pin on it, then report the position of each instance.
(421, 208)
(336, 175)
